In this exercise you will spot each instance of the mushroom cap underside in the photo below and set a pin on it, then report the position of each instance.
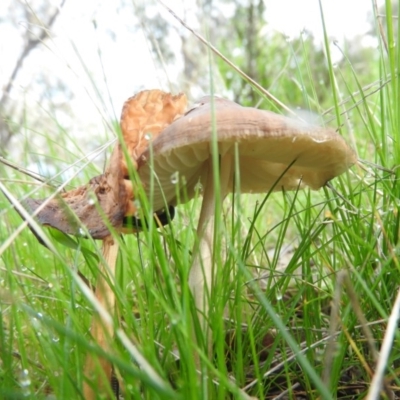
(267, 144)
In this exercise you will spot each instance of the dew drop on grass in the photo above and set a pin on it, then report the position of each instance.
(175, 178)
(198, 187)
(279, 295)
(137, 204)
(338, 348)
(319, 353)
(35, 323)
(55, 339)
(81, 232)
(148, 136)
(25, 382)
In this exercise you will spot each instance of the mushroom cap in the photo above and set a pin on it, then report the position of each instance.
(267, 144)
(160, 140)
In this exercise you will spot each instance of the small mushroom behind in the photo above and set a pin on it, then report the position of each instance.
(81, 206)
(107, 199)
(268, 145)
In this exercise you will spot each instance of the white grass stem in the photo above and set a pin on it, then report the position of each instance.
(378, 379)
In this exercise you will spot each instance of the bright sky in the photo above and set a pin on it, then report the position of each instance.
(125, 55)
(342, 17)
(128, 57)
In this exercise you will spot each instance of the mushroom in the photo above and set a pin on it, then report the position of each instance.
(274, 153)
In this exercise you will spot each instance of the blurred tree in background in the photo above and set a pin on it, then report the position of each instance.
(292, 68)
(35, 27)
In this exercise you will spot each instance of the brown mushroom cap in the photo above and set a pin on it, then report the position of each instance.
(267, 142)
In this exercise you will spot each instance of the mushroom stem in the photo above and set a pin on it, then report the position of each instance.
(101, 330)
(201, 275)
